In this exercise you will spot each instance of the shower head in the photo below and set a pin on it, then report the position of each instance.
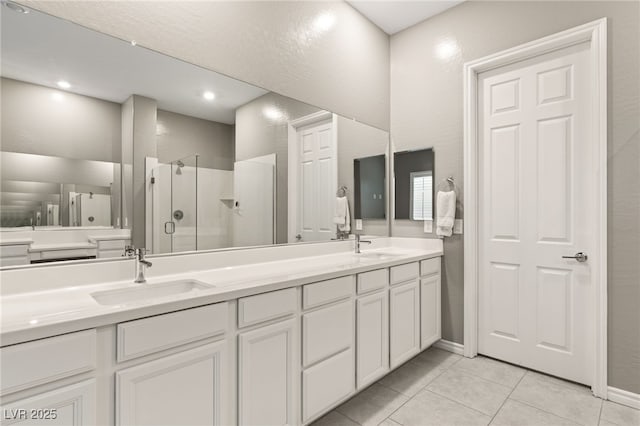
(180, 165)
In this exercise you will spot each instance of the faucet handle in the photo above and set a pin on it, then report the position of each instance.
(129, 250)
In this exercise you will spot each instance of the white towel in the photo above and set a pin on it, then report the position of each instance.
(342, 217)
(446, 205)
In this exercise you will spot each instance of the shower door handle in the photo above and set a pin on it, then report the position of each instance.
(171, 227)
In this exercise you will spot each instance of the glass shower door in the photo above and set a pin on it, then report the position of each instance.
(175, 206)
(184, 205)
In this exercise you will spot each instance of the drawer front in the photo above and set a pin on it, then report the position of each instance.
(430, 266)
(154, 334)
(11, 251)
(112, 244)
(267, 306)
(402, 273)
(65, 254)
(34, 363)
(105, 254)
(373, 280)
(324, 292)
(326, 332)
(327, 383)
(14, 261)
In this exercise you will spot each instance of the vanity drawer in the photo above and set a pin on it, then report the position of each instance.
(14, 250)
(148, 335)
(326, 383)
(326, 332)
(34, 363)
(324, 292)
(266, 306)
(373, 280)
(112, 244)
(430, 266)
(14, 261)
(406, 272)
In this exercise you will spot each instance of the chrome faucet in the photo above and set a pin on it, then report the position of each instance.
(359, 241)
(141, 262)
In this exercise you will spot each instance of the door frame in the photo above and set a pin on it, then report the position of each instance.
(292, 163)
(596, 34)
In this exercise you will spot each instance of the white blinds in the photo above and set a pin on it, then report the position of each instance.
(422, 196)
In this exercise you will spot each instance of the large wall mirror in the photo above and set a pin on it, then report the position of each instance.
(101, 134)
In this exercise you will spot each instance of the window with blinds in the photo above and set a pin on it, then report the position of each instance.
(422, 195)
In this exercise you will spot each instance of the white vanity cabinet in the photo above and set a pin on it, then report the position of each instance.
(268, 359)
(188, 387)
(33, 369)
(182, 389)
(430, 302)
(404, 313)
(68, 405)
(14, 253)
(328, 348)
(372, 319)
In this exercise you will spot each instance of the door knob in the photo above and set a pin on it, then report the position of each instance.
(580, 257)
(298, 237)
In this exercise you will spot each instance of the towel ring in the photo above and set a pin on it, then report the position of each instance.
(450, 185)
(341, 192)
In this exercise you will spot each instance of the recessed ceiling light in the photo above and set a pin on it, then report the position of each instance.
(16, 7)
(63, 84)
(209, 95)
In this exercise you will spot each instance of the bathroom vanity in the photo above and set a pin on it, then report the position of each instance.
(276, 338)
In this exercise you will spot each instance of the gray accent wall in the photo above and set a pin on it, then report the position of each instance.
(179, 136)
(357, 140)
(259, 133)
(427, 111)
(340, 63)
(45, 121)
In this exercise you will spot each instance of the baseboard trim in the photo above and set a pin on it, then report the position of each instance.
(624, 397)
(447, 345)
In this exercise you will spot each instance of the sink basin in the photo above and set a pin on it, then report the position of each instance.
(376, 255)
(142, 292)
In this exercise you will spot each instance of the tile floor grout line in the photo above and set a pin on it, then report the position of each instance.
(506, 399)
(528, 404)
(462, 369)
(600, 412)
(444, 370)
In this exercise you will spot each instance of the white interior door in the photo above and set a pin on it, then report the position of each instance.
(316, 182)
(536, 205)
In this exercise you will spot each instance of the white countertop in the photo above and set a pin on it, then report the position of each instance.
(15, 241)
(38, 314)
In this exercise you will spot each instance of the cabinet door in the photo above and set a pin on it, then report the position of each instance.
(188, 388)
(266, 375)
(373, 337)
(430, 327)
(405, 322)
(72, 405)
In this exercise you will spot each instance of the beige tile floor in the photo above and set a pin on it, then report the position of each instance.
(441, 389)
